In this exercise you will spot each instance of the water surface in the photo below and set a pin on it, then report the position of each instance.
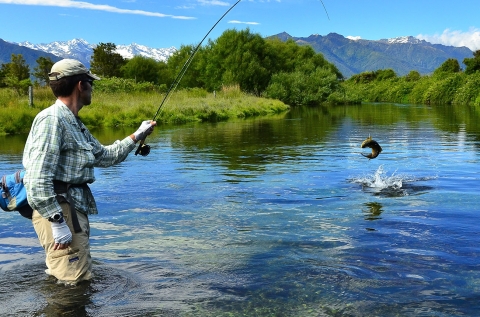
(277, 216)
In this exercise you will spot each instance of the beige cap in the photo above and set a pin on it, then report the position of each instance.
(69, 67)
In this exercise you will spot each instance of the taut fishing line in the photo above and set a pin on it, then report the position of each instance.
(144, 149)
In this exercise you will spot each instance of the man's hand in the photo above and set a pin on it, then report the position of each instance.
(61, 234)
(146, 128)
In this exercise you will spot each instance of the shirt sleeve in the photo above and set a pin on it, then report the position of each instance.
(41, 156)
(109, 155)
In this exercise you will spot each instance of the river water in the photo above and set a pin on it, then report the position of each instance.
(277, 216)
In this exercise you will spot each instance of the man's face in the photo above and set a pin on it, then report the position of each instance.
(87, 92)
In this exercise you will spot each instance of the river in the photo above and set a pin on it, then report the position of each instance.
(275, 216)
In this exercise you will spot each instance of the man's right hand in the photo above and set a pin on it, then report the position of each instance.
(146, 128)
(61, 234)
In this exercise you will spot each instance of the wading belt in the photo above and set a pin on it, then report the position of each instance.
(62, 188)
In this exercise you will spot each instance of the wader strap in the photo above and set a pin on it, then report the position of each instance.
(62, 188)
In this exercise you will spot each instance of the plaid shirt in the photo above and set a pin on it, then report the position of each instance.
(60, 147)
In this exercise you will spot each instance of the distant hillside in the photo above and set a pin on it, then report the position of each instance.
(30, 55)
(400, 54)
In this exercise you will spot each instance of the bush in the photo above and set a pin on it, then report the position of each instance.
(115, 84)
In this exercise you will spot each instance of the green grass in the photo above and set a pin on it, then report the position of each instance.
(114, 109)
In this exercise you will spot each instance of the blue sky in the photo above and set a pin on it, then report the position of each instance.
(167, 23)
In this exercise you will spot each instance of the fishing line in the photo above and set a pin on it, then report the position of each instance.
(325, 9)
(143, 148)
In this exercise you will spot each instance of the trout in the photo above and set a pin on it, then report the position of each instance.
(376, 148)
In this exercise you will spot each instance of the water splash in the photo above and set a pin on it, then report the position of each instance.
(394, 185)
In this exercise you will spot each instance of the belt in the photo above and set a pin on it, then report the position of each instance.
(62, 188)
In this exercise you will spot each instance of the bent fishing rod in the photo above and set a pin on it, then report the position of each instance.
(144, 149)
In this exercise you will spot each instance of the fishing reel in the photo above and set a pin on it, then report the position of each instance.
(143, 149)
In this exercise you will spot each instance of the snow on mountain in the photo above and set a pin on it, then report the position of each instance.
(403, 40)
(82, 50)
(129, 51)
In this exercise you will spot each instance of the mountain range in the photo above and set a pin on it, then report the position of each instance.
(82, 50)
(402, 54)
(351, 56)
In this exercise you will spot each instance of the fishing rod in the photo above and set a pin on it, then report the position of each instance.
(144, 149)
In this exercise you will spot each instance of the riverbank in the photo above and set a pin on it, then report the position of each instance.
(129, 109)
(440, 88)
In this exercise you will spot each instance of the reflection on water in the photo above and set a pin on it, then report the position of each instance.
(274, 217)
(374, 210)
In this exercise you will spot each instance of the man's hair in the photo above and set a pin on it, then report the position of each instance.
(64, 86)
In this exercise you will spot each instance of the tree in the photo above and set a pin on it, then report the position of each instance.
(289, 56)
(16, 74)
(450, 66)
(384, 74)
(41, 71)
(194, 75)
(239, 57)
(105, 61)
(473, 64)
(142, 69)
(413, 75)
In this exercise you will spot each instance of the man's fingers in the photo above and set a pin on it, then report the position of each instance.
(61, 246)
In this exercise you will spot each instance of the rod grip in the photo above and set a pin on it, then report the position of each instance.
(140, 146)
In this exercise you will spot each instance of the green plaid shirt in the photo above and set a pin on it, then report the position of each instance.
(60, 147)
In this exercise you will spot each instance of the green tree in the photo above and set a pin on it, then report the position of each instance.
(142, 69)
(450, 66)
(41, 71)
(289, 56)
(105, 61)
(303, 87)
(384, 74)
(238, 57)
(473, 64)
(193, 74)
(17, 74)
(302, 76)
(413, 75)
(3, 74)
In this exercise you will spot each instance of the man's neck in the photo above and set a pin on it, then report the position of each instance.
(72, 104)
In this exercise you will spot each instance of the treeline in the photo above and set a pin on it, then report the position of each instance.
(448, 84)
(262, 67)
(270, 68)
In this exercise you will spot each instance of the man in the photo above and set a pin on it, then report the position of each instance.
(59, 158)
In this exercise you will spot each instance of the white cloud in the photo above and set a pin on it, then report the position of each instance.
(240, 22)
(90, 6)
(470, 39)
(213, 3)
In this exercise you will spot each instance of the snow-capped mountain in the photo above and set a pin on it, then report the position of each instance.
(82, 50)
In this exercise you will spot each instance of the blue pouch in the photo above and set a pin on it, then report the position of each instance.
(14, 195)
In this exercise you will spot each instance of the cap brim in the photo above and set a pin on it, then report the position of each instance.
(93, 76)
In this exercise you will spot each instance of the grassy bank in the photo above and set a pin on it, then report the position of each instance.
(113, 109)
(443, 88)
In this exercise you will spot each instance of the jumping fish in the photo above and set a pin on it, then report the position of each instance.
(376, 148)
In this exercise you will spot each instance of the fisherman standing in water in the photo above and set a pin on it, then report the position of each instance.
(59, 158)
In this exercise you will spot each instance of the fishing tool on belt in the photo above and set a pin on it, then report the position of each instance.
(144, 149)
